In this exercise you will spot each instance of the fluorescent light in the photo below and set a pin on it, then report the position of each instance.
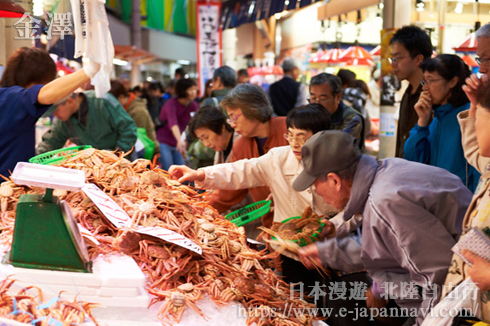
(119, 62)
(184, 62)
(149, 79)
(251, 8)
(459, 8)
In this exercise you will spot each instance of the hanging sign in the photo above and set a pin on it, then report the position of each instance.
(208, 37)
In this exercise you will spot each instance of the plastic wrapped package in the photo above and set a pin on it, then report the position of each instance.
(93, 39)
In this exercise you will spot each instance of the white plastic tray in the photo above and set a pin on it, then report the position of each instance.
(45, 176)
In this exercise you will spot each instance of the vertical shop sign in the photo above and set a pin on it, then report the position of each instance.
(390, 84)
(208, 38)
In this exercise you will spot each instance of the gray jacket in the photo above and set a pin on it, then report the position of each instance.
(412, 216)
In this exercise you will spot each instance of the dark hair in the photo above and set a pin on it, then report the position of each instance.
(311, 117)
(118, 89)
(208, 117)
(243, 72)
(137, 88)
(182, 85)
(171, 83)
(28, 66)
(348, 173)
(359, 83)
(415, 40)
(347, 77)
(180, 71)
(227, 76)
(323, 78)
(155, 86)
(251, 100)
(449, 66)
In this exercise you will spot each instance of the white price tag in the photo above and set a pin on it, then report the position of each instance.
(170, 236)
(87, 235)
(114, 213)
(117, 216)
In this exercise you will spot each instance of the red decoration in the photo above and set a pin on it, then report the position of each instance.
(468, 45)
(356, 56)
(470, 61)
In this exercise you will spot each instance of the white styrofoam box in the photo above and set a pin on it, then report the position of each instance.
(53, 290)
(31, 275)
(118, 271)
(118, 292)
(114, 270)
(10, 322)
(141, 301)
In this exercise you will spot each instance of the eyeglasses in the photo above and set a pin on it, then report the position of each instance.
(394, 60)
(318, 100)
(429, 81)
(234, 119)
(482, 61)
(300, 140)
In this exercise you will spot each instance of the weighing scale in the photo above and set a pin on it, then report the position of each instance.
(46, 235)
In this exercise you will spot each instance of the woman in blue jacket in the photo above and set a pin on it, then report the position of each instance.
(438, 143)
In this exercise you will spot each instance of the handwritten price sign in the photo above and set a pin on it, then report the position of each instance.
(117, 216)
(114, 213)
(170, 236)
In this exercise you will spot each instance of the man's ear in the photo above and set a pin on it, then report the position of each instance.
(419, 58)
(335, 181)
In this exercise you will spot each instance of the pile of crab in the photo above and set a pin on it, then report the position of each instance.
(26, 307)
(227, 271)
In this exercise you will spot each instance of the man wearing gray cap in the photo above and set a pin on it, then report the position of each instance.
(287, 93)
(412, 215)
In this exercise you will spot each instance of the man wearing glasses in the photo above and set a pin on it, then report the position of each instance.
(474, 84)
(410, 46)
(326, 89)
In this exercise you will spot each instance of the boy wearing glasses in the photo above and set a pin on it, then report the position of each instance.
(410, 46)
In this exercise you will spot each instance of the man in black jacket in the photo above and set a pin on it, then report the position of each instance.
(287, 93)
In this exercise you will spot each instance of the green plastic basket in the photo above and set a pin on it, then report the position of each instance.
(249, 213)
(57, 155)
(313, 237)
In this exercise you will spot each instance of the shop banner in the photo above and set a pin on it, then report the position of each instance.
(208, 37)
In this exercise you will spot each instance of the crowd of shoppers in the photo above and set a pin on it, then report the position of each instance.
(410, 210)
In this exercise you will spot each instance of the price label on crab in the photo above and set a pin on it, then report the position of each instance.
(114, 213)
(170, 236)
(87, 235)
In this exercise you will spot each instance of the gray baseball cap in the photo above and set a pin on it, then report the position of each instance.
(325, 152)
(53, 107)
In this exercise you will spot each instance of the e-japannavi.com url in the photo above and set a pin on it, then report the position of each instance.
(352, 314)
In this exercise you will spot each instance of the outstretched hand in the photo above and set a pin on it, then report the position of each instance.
(308, 254)
(184, 173)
